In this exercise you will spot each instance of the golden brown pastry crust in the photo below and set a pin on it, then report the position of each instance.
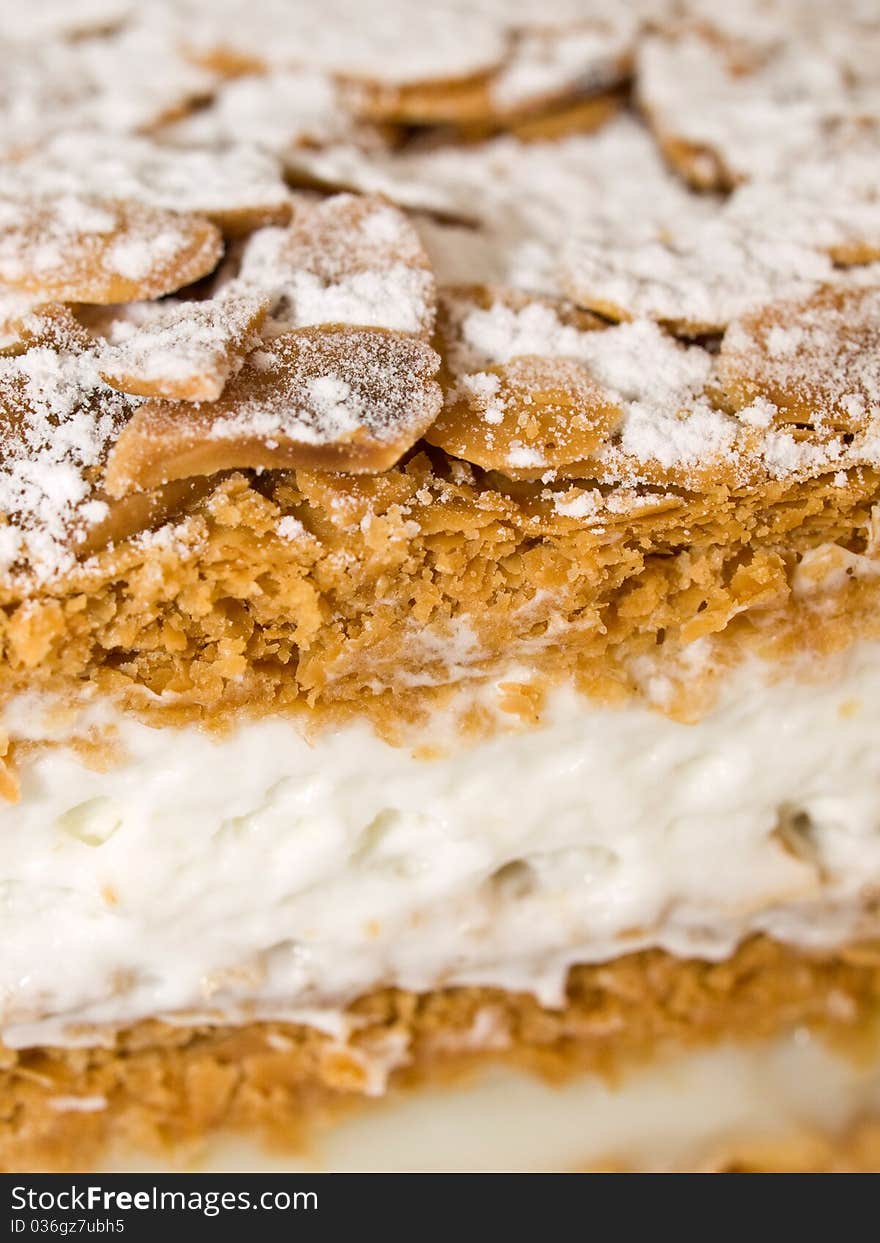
(231, 612)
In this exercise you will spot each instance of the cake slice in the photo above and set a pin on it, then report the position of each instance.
(440, 569)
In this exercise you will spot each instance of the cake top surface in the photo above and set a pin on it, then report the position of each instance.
(632, 247)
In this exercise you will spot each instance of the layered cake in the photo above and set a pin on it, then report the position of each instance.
(440, 565)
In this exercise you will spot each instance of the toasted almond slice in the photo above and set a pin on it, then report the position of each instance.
(345, 399)
(576, 116)
(694, 283)
(703, 144)
(184, 350)
(725, 111)
(127, 80)
(547, 63)
(532, 414)
(815, 359)
(458, 101)
(15, 306)
(647, 417)
(699, 165)
(829, 202)
(68, 19)
(269, 112)
(55, 326)
(396, 44)
(139, 511)
(855, 252)
(719, 456)
(239, 188)
(345, 260)
(519, 397)
(459, 300)
(697, 448)
(78, 249)
(57, 419)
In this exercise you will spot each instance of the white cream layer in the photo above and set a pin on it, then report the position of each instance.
(263, 875)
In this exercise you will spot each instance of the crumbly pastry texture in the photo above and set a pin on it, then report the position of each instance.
(347, 356)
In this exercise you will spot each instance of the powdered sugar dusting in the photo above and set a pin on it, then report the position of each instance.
(668, 423)
(553, 62)
(321, 390)
(815, 361)
(236, 180)
(759, 109)
(182, 349)
(638, 361)
(345, 260)
(13, 307)
(274, 112)
(74, 248)
(119, 81)
(290, 528)
(60, 418)
(50, 18)
(698, 281)
(351, 398)
(397, 42)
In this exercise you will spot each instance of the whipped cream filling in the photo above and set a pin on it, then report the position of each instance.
(261, 874)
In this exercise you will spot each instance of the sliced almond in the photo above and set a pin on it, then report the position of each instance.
(535, 387)
(393, 45)
(139, 511)
(58, 419)
(699, 165)
(183, 350)
(459, 101)
(239, 188)
(14, 307)
(548, 64)
(51, 324)
(349, 259)
(695, 282)
(532, 414)
(344, 399)
(78, 249)
(518, 396)
(271, 112)
(577, 116)
(726, 110)
(814, 359)
(458, 300)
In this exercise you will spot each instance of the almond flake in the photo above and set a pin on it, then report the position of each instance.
(183, 350)
(343, 399)
(79, 249)
(815, 361)
(343, 260)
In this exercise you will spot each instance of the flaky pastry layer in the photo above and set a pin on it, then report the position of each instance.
(345, 596)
